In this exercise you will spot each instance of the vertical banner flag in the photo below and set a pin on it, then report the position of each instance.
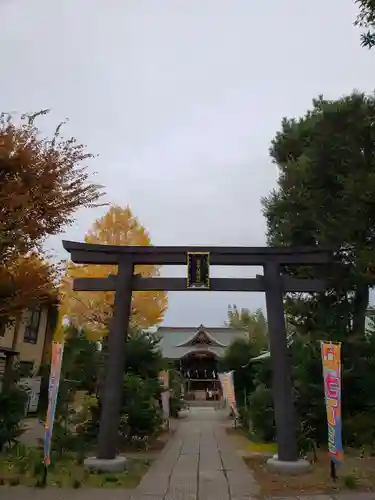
(227, 384)
(223, 386)
(54, 380)
(231, 392)
(165, 404)
(164, 381)
(331, 360)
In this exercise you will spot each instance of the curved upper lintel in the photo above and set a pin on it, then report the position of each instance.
(92, 253)
(70, 246)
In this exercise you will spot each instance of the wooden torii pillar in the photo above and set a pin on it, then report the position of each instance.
(273, 283)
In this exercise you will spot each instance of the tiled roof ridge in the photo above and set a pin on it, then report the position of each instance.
(195, 328)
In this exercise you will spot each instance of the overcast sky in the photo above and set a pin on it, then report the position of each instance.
(181, 98)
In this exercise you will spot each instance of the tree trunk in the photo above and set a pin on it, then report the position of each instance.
(360, 304)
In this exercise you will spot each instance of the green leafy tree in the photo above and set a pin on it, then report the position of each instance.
(366, 20)
(143, 356)
(141, 417)
(254, 323)
(82, 362)
(12, 410)
(325, 196)
(140, 414)
(237, 357)
(80, 370)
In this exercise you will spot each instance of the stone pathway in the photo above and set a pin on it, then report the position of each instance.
(199, 463)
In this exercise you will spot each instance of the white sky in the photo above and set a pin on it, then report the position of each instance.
(181, 98)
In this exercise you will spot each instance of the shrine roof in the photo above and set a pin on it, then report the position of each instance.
(177, 342)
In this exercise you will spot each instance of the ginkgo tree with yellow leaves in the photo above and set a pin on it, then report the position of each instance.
(93, 310)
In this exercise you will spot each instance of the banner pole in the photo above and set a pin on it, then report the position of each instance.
(333, 471)
(44, 478)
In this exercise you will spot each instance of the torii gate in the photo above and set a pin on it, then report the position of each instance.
(198, 260)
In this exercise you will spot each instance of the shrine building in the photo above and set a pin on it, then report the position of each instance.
(195, 353)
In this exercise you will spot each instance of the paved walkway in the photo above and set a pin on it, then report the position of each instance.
(199, 463)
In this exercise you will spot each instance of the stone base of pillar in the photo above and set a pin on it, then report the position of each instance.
(294, 468)
(117, 464)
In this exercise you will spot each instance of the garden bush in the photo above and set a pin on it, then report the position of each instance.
(176, 404)
(140, 409)
(12, 412)
(245, 418)
(261, 413)
(140, 416)
(87, 420)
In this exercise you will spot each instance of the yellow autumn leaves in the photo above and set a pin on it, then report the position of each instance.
(93, 310)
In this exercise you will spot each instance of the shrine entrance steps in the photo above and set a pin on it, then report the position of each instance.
(203, 404)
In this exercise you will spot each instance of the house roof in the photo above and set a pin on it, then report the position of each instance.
(261, 357)
(177, 342)
(7, 351)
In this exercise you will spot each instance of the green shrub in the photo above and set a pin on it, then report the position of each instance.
(87, 419)
(12, 412)
(76, 484)
(236, 358)
(359, 429)
(20, 456)
(350, 481)
(176, 404)
(261, 413)
(140, 409)
(245, 418)
(140, 414)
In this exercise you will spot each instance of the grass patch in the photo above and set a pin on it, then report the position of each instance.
(269, 448)
(247, 445)
(357, 473)
(24, 467)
